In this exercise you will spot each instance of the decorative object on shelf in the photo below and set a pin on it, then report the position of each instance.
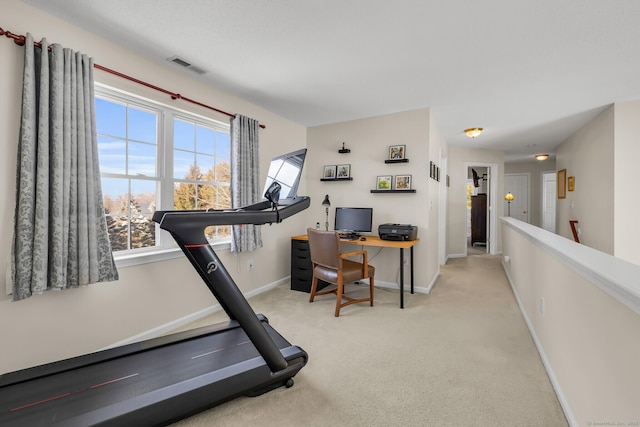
(402, 182)
(383, 182)
(344, 150)
(571, 183)
(326, 203)
(508, 197)
(562, 184)
(329, 171)
(397, 152)
(473, 132)
(343, 171)
(541, 156)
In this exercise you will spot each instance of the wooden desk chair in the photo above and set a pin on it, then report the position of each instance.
(332, 266)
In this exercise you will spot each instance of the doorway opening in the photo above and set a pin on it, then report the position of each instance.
(481, 224)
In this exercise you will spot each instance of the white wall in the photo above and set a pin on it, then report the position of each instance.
(588, 155)
(459, 157)
(626, 155)
(56, 325)
(535, 168)
(369, 140)
(581, 306)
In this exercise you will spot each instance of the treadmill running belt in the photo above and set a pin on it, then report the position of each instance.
(54, 398)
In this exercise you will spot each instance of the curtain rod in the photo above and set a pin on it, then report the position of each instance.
(20, 41)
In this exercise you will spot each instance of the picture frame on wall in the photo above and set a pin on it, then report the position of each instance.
(432, 169)
(562, 184)
(397, 152)
(343, 171)
(402, 182)
(384, 182)
(570, 183)
(329, 172)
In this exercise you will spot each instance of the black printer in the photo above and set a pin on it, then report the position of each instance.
(398, 232)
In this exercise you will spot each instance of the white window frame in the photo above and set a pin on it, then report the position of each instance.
(165, 247)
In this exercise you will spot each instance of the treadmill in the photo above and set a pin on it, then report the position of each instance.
(163, 380)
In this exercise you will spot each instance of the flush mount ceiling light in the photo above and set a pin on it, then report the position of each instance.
(541, 157)
(473, 132)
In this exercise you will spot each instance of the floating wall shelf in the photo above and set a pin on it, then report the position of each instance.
(393, 191)
(397, 161)
(336, 179)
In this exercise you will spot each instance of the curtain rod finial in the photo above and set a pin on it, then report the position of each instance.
(17, 39)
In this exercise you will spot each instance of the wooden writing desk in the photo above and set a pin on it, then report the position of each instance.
(378, 242)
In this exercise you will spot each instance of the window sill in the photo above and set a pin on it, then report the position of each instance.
(158, 255)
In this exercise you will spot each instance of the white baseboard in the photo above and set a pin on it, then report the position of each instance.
(407, 286)
(193, 317)
(547, 365)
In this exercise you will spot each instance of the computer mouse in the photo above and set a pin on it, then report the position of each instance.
(363, 238)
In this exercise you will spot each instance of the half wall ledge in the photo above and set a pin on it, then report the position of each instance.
(614, 276)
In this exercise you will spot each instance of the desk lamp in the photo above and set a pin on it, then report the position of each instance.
(326, 203)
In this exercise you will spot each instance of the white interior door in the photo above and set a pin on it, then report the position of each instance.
(549, 201)
(518, 185)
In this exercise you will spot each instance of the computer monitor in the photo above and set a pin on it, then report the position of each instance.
(353, 221)
(286, 170)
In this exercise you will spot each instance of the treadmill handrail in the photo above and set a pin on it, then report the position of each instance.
(189, 224)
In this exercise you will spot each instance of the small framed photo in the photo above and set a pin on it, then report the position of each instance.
(343, 171)
(329, 172)
(403, 182)
(570, 183)
(397, 152)
(438, 173)
(431, 170)
(384, 182)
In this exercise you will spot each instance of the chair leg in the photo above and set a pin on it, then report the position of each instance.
(314, 285)
(339, 292)
(371, 289)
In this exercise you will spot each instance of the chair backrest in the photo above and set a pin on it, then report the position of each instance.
(325, 248)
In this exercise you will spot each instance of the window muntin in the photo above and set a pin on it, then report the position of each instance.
(153, 157)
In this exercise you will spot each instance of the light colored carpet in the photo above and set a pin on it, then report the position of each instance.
(461, 356)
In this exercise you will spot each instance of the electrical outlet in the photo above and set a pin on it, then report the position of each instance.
(250, 264)
(405, 261)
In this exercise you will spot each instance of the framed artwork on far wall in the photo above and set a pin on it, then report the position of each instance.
(384, 182)
(402, 182)
(571, 182)
(329, 171)
(397, 152)
(343, 171)
(562, 184)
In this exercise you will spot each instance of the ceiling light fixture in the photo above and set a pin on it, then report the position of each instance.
(473, 132)
(542, 157)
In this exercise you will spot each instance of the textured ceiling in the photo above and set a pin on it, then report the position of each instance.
(529, 72)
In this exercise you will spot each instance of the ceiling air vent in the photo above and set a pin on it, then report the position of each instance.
(181, 62)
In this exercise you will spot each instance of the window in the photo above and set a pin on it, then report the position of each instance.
(154, 157)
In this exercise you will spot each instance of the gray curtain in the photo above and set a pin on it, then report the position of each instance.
(60, 233)
(245, 186)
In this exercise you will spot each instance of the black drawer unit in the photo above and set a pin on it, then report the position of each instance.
(301, 269)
